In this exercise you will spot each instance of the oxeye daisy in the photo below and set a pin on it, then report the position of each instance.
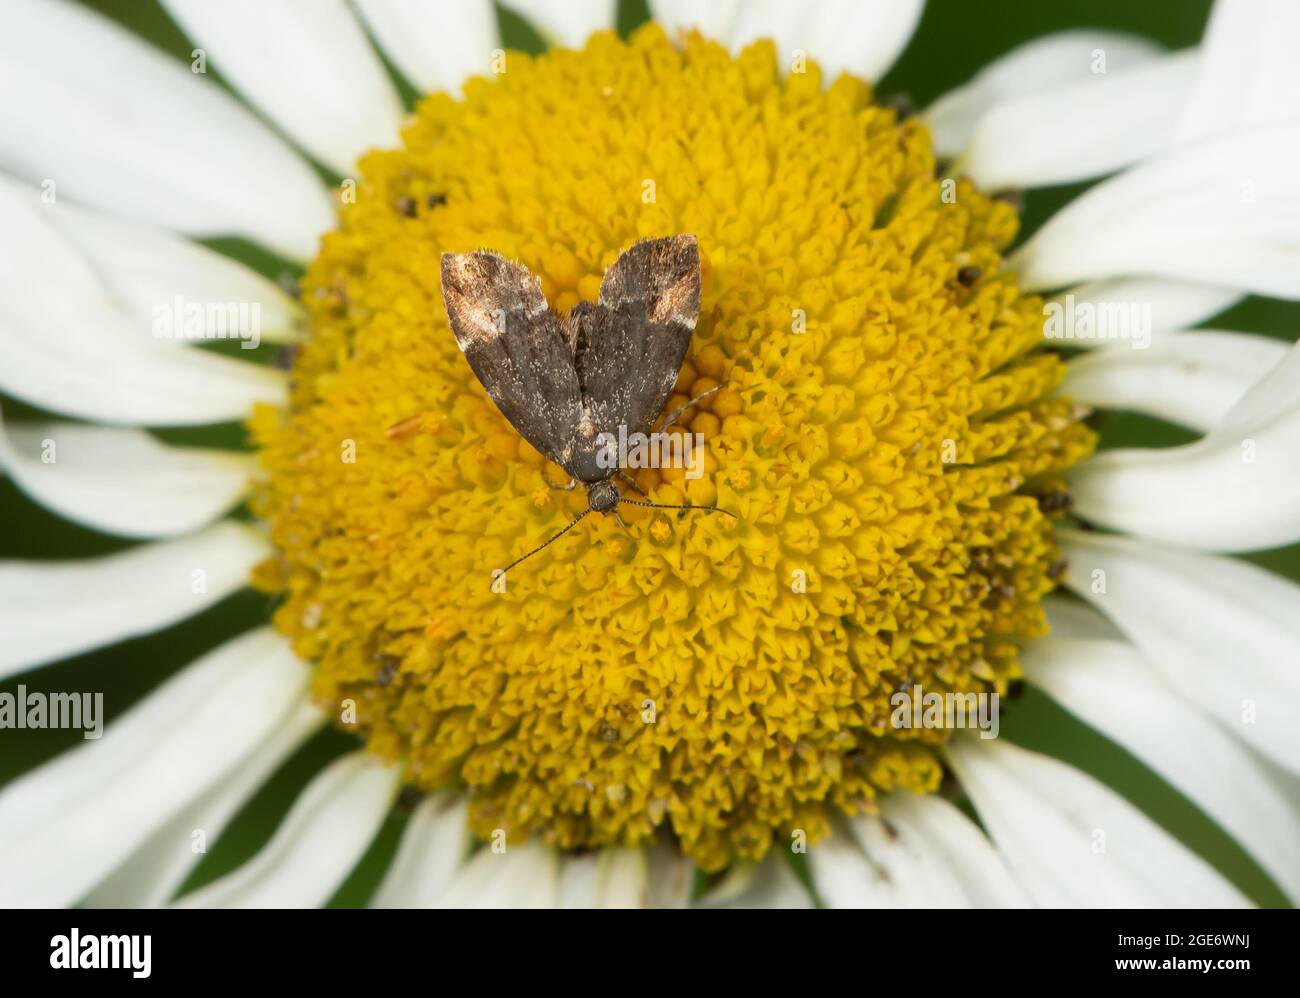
(902, 407)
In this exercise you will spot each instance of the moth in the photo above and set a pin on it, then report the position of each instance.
(568, 383)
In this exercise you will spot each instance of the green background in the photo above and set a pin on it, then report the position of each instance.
(955, 39)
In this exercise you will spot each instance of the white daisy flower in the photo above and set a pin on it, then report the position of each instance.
(688, 711)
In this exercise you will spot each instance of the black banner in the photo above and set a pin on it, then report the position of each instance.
(335, 948)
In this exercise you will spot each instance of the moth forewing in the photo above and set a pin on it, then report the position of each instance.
(514, 346)
(660, 275)
(628, 349)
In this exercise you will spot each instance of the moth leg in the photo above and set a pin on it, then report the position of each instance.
(619, 520)
(632, 482)
(406, 428)
(699, 398)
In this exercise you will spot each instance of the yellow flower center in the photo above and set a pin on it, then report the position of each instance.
(883, 433)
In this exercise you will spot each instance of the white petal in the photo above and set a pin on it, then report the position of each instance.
(1079, 314)
(713, 20)
(1032, 68)
(1081, 130)
(612, 878)
(622, 879)
(307, 67)
(1273, 398)
(53, 609)
(1074, 843)
(656, 877)
(1236, 489)
(327, 831)
(70, 822)
(671, 877)
(769, 884)
(569, 22)
(1225, 211)
(579, 881)
(146, 269)
(121, 481)
(862, 37)
(920, 853)
(110, 121)
(1224, 633)
(1109, 685)
(865, 37)
(1073, 618)
(434, 846)
(160, 865)
(794, 28)
(1189, 378)
(69, 347)
(100, 372)
(946, 840)
(1250, 75)
(846, 879)
(435, 48)
(524, 876)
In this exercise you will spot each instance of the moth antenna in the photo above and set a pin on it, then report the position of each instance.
(660, 505)
(546, 543)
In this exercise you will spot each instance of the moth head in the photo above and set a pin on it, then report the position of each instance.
(602, 496)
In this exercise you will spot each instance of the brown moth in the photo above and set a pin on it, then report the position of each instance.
(568, 384)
